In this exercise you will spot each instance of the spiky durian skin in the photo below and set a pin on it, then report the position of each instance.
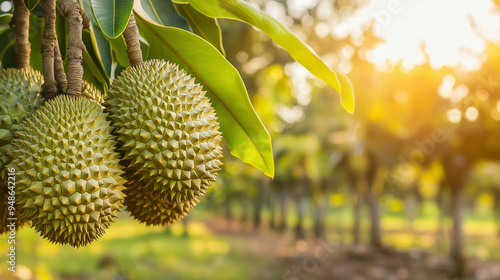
(20, 94)
(167, 130)
(91, 92)
(4, 213)
(152, 211)
(70, 182)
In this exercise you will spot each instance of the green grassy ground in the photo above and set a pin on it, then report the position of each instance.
(137, 252)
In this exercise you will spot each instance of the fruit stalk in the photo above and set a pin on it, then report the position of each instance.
(72, 10)
(21, 21)
(131, 35)
(60, 76)
(48, 43)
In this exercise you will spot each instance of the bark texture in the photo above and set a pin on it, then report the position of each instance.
(131, 35)
(72, 10)
(21, 19)
(48, 45)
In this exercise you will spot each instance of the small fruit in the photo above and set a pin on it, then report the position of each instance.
(153, 211)
(70, 182)
(20, 94)
(167, 130)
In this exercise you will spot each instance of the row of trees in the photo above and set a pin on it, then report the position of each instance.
(408, 125)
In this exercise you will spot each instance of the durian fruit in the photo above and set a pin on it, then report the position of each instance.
(167, 130)
(152, 211)
(5, 213)
(70, 183)
(91, 92)
(20, 94)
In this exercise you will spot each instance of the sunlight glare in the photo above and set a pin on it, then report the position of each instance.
(454, 115)
(471, 113)
(447, 32)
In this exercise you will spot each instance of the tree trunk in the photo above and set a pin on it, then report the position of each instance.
(272, 211)
(258, 202)
(228, 209)
(320, 215)
(497, 209)
(285, 193)
(441, 234)
(356, 228)
(374, 182)
(244, 209)
(301, 200)
(456, 251)
(411, 208)
(375, 229)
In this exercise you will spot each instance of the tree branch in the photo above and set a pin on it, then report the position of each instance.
(72, 10)
(60, 75)
(131, 35)
(48, 44)
(21, 20)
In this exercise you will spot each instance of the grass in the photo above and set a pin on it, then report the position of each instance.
(140, 252)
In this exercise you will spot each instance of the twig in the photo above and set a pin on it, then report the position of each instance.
(21, 20)
(48, 45)
(75, 15)
(131, 35)
(60, 76)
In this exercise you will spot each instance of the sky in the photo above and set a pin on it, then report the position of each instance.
(453, 31)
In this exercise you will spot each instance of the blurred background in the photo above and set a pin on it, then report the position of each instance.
(406, 188)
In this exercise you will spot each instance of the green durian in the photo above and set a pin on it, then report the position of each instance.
(167, 130)
(20, 94)
(152, 211)
(70, 183)
(92, 93)
(5, 213)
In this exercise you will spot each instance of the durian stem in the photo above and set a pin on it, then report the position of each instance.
(21, 19)
(72, 10)
(131, 35)
(48, 43)
(60, 75)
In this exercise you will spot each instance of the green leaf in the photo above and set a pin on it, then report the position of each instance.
(201, 25)
(92, 72)
(99, 47)
(4, 22)
(119, 48)
(8, 38)
(162, 12)
(35, 38)
(7, 54)
(245, 134)
(112, 15)
(30, 4)
(298, 49)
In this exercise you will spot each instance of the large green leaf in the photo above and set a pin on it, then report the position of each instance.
(30, 4)
(99, 47)
(162, 12)
(244, 132)
(298, 49)
(206, 27)
(112, 15)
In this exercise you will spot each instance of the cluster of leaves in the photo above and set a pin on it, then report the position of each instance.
(185, 32)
